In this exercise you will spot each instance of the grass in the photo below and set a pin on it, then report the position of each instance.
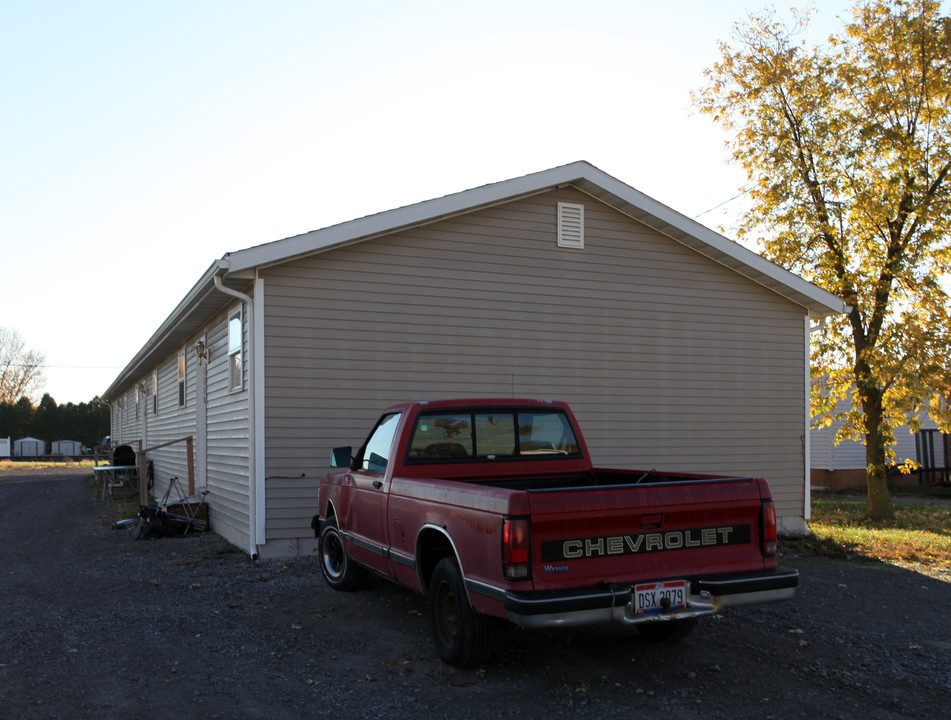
(894, 489)
(124, 505)
(31, 464)
(918, 538)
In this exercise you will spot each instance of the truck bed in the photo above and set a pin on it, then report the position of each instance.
(599, 478)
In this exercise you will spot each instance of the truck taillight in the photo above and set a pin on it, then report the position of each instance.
(516, 545)
(768, 528)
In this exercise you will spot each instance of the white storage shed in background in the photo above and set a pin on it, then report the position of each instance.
(67, 447)
(29, 447)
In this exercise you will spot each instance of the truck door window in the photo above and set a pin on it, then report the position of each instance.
(376, 453)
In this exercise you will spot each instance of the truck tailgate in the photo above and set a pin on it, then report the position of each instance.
(644, 532)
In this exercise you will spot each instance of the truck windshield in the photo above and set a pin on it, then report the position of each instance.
(462, 435)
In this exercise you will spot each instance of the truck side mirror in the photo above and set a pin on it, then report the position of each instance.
(341, 457)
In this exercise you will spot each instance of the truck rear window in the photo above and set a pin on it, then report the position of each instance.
(480, 435)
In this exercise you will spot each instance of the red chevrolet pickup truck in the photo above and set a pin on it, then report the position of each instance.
(493, 508)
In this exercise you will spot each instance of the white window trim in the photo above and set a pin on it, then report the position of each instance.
(239, 386)
(181, 370)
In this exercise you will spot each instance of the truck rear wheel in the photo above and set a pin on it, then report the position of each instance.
(340, 572)
(670, 631)
(462, 635)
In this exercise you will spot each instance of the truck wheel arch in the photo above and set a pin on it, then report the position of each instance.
(330, 511)
(432, 545)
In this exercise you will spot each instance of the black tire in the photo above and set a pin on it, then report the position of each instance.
(340, 572)
(462, 635)
(669, 631)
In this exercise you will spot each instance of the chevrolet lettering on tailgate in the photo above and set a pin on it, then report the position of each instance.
(634, 544)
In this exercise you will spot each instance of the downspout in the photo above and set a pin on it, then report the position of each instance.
(807, 435)
(252, 463)
(807, 432)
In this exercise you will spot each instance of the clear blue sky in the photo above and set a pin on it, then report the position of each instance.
(140, 141)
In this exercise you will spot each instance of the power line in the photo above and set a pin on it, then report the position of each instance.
(82, 367)
(64, 367)
(741, 194)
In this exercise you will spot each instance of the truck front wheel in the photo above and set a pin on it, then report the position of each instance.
(340, 572)
(461, 634)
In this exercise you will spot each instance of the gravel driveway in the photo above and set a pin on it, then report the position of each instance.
(96, 625)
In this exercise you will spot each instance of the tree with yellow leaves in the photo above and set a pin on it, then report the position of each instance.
(847, 151)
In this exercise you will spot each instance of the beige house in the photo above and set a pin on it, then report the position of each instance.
(677, 348)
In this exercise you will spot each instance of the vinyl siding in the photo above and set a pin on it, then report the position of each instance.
(228, 430)
(171, 422)
(126, 426)
(850, 454)
(228, 437)
(669, 359)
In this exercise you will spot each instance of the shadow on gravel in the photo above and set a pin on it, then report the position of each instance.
(96, 625)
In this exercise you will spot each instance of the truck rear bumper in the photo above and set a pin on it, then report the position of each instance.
(708, 594)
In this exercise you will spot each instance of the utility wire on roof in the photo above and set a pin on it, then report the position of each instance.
(83, 367)
(721, 204)
(66, 367)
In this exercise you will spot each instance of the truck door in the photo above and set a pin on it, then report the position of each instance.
(366, 521)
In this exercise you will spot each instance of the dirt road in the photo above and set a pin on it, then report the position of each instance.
(96, 625)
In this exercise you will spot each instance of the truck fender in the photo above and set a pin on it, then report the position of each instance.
(433, 543)
(330, 511)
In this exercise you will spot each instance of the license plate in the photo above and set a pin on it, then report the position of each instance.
(660, 597)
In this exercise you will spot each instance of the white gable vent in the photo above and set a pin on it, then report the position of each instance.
(570, 225)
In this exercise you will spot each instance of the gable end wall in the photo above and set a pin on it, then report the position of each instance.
(669, 359)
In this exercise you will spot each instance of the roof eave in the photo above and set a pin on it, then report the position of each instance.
(177, 327)
(589, 180)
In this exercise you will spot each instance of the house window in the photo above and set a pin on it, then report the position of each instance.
(571, 225)
(181, 380)
(155, 392)
(137, 402)
(235, 377)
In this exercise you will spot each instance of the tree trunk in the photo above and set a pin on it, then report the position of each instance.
(879, 501)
